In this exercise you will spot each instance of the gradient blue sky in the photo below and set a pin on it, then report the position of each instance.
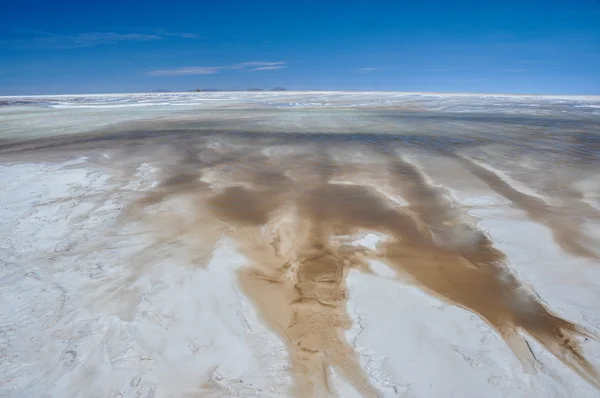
(526, 46)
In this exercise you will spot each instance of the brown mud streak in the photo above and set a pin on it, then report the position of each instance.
(181, 191)
(474, 278)
(432, 206)
(565, 231)
(297, 282)
(487, 287)
(296, 278)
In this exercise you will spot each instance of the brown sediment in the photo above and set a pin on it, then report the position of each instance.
(297, 282)
(287, 228)
(566, 231)
(297, 278)
(297, 274)
(432, 206)
(286, 213)
(473, 277)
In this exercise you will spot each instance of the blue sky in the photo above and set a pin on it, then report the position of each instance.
(526, 46)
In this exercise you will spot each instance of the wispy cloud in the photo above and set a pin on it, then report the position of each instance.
(189, 35)
(272, 67)
(88, 39)
(261, 65)
(208, 70)
(367, 69)
(166, 33)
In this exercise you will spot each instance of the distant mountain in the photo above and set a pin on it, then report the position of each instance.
(161, 90)
(215, 90)
(206, 90)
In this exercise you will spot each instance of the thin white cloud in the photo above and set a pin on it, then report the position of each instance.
(367, 69)
(261, 63)
(189, 35)
(272, 67)
(186, 35)
(209, 70)
(88, 39)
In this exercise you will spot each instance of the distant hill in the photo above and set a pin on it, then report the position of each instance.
(161, 90)
(205, 90)
(216, 90)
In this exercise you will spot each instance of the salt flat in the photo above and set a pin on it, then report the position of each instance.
(299, 244)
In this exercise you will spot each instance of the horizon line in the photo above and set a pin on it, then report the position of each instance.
(266, 91)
